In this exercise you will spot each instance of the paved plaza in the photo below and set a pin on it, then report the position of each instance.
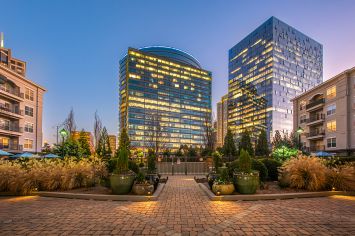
(182, 209)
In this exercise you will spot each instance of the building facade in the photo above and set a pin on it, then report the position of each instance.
(326, 115)
(222, 120)
(112, 140)
(21, 106)
(268, 68)
(165, 98)
(87, 135)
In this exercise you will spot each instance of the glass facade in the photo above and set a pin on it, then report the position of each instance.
(165, 97)
(268, 68)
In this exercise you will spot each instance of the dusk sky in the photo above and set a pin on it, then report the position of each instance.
(72, 48)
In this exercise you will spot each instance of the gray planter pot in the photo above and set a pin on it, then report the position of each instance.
(246, 183)
(122, 183)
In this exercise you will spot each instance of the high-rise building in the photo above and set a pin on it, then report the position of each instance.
(325, 115)
(165, 98)
(20, 106)
(267, 69)
(222, 120)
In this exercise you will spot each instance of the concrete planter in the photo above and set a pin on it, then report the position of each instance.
(223, 189)
(143, 189)
(122, 183)
(246, 183)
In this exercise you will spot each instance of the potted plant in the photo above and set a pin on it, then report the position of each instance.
(246, 179)
(217, 162)
(141, 186)
(121, 180)
(223, 185)
(152, 175)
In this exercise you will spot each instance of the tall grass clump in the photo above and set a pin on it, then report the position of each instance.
(23, 177)
(341, 178)
(304, 172)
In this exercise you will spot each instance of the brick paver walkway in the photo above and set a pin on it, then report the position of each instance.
(182, 209)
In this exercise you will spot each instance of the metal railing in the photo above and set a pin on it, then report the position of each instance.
(316, 148)
(316, 117)
(12, 128)
(11, 147)
(198, 168)
(12, 91)
(315, 103)
(316, 132)
(11, 110)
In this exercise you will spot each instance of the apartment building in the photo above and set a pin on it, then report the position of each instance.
(326, 115)
(21, 105)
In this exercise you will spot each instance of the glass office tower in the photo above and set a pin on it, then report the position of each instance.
(270, 66)
(165, 98)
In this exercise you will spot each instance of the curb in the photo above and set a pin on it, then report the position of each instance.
(271, 196)
(103, 197)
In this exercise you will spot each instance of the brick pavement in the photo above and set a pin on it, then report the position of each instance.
(182, 209)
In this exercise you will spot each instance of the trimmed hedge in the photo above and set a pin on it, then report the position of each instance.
(272, 166)
(259, 166)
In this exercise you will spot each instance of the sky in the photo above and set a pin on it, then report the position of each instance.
(72, 48)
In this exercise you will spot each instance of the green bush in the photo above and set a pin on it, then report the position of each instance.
(233, 167)
(133, 166)
(244, 162)
(284, 153)
(272, 168)
(217, 160)
(259, 166)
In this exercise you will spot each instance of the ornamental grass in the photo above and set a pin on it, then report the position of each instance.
(25, 176)
(341, 178)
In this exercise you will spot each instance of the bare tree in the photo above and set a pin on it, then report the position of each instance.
(97, 129)
(69, 122)
(156, 138)
(209, 137)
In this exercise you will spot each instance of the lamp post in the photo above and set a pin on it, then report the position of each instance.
(64, 134)
(299, 132)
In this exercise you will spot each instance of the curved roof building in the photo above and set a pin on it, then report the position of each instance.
(172, 53)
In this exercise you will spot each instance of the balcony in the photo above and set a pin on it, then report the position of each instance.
(315, 134)
(12, 94)
(315, 104)
(315, 119)
(11, 147)
(12, 112)
(316, 148)
(11, 130)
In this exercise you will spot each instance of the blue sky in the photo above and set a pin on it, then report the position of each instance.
(72, 48)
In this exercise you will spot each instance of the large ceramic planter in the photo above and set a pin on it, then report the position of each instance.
(153, 179)
(223, 189)
(143, 189)
(122, 183)
(246, 183)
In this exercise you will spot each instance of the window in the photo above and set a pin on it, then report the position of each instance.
(29, 94)
(331, 142)
(28, 111)
(4, 142)
(332, 126)
(303, 119)
(29, 127)
(331, 109)
(331, 92)
(28, 143)
(302, 105)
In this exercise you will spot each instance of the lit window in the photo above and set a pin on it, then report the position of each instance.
(331, 110)
(28, 144)
(331, 92)
(331, 142)
(332, 126)
(176, 85)
(29, 94)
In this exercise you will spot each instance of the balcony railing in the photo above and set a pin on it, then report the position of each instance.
(316, 132)
(316, 117)
(315, 103)
(12, 128)
(17, 93)
(11, 110)
(11, 147)
(316, 148)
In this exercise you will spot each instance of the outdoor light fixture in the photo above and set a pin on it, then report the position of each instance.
(218, 193)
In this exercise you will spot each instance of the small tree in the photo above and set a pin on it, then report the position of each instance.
(277, 140)
(217, 160)
(262, 147)
(245, 161)
(124, 140)
(229, 148)
(46, 148)
(84, 144)
(151, 161)
(245, 143)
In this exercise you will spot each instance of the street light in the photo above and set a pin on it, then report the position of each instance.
(299, 132)
(64, 134)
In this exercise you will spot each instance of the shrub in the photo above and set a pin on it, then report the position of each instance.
(272, 168)
(133, 166)
(259, 166)
(217, 160)
(284, 153)
(244, 162)
(233, 167)
(141, 165)
(304, 173)
(341, 178)
(151, 161)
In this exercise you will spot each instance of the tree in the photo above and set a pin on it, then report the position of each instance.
(151, 161)
(277, 140)
(209, 137)
(229, 148)
(84, 144)
(124, 140)
(97, 129)
(156, 137)
(70, 148)
(245, 143)
(46, 148)
(262, 147)
(103, 148)
(69, 122)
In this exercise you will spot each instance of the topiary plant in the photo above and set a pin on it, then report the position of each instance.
(272, 166)
(259, 166)
(245, 162)
(151, 161)
(217, 160)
